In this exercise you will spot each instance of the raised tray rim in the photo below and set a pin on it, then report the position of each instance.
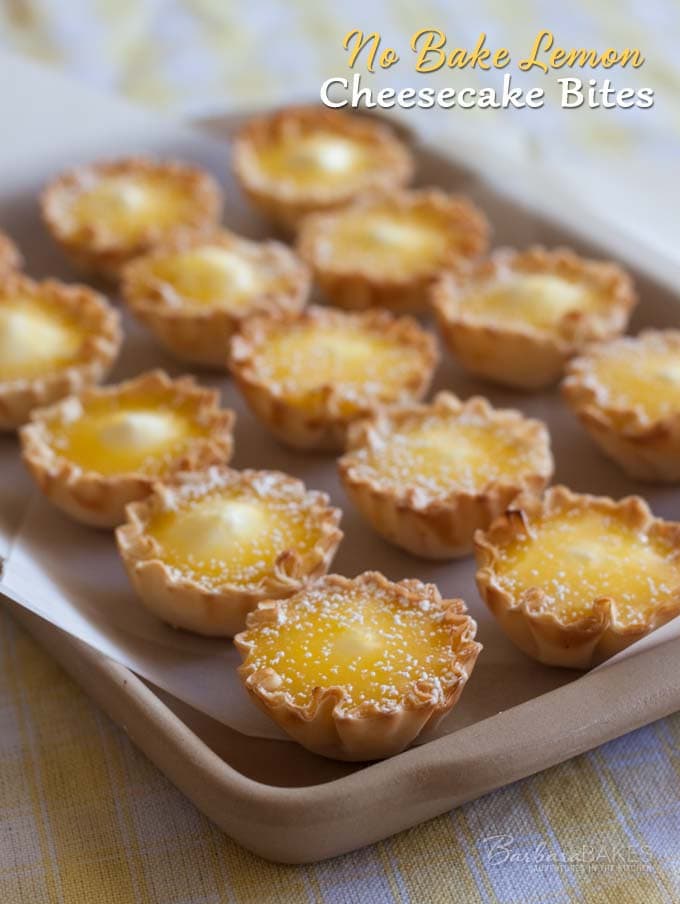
(291, 825)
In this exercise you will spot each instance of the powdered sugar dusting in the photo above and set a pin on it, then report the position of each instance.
(375, 644)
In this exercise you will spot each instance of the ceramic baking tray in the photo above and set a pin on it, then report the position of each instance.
(516, 717)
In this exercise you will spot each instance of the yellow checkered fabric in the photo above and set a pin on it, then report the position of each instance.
(86, 819)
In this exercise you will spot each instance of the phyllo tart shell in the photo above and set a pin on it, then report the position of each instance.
(517, 317)
(307, 377)
(106, 213)
(305, 159)
(204, 549)
(10, 256)
(358, 669)
(194, 292)
(427, 476)
(387, 250)
(55, 339)
(573, 579)
(626, 393)
(92, 454)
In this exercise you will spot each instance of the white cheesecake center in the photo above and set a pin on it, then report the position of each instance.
(356, 639)
(670, 374)
(139, 430)
(212, 275)
(209, 529)
(324, 152)
(29, 337)
(538, 299)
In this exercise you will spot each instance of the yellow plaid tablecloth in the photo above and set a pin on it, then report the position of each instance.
(85, 818)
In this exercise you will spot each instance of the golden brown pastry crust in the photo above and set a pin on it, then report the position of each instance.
(200, 335)
(646, 448)
(349, 285)
(311, 429)
(220, 611)
(330, 725)
(284, 202)
(98, 249)
(10, 256)
(521, 355)
(102, 339)
(528, 620)
(438, 525)
(100, 500)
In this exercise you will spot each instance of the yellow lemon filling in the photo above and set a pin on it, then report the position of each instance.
(316, 159)
(115, 435)
(576, 557)
(128, 204)
(35, 338)
(233, 535)
(306, 358)
(370, 643)
(540, 300)
(212, 275)
(643, 378)
(390, 242)
(440, 455)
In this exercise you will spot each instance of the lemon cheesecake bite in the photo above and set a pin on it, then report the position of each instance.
(386, 251)
(204, 549)
(304, 159)
(427, 476)
(307, 377)
(573, 579)
(519, 316)
(626, 393)
(92, 454)
(358, 669)
(192, 294)
(10, 257)
(55, 339)
(104, 214)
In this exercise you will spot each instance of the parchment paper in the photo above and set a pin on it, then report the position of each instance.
(71, 575)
